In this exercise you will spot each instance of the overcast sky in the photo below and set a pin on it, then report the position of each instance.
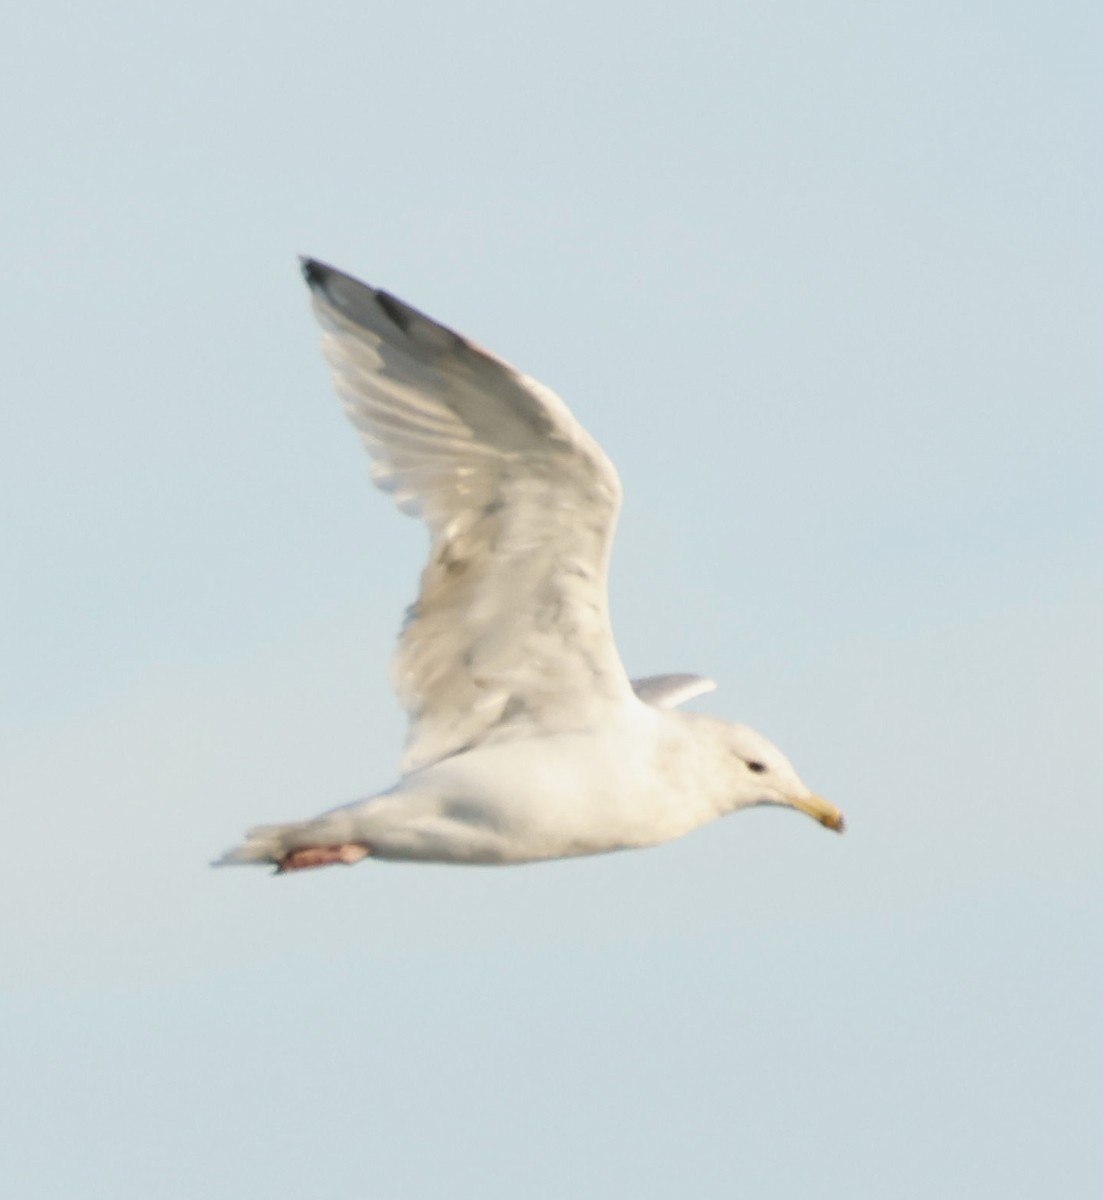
(824, 280)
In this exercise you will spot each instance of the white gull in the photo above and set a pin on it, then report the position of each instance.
(527, 740)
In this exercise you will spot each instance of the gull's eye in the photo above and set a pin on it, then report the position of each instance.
(757, 767)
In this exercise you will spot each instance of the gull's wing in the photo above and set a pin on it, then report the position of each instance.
(510, 634)
(668, 691)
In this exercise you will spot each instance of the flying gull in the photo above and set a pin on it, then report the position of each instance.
(527, 740)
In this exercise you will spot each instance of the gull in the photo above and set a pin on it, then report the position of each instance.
(527, 740)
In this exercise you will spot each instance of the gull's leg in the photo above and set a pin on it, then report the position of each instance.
(321, 856)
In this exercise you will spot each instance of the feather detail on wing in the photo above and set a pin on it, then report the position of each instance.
(510, 633)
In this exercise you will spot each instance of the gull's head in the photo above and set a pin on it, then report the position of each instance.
(763, 775)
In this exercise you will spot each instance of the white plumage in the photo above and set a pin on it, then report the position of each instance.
(526, 738)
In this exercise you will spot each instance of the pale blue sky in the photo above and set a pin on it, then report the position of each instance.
(824, 279)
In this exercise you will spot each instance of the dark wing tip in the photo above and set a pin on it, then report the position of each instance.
(402, 315)
(373, 308)
(351, 296)
(354, 299)
(314, 272)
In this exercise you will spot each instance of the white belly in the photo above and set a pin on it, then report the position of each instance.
(529, 799)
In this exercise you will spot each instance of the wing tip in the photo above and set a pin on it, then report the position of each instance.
(352, 293)
(316, 273)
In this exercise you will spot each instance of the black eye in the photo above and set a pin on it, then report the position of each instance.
(757, 767)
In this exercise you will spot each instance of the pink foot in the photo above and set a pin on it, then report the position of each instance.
(321, 856)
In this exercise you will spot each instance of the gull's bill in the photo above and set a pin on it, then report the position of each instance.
(820, 810)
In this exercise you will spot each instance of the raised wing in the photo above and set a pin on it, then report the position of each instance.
(510, 633)
(668, 691)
